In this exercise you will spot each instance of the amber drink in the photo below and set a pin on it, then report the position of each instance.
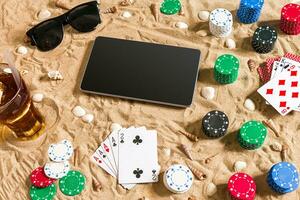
(16, 108)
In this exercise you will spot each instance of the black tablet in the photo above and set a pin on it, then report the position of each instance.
(142, 71)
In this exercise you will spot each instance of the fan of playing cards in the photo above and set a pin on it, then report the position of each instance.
(283, 87)
(123, 154)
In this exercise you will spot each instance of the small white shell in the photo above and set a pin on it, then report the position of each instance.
(167, 152)
(276, 146)
(126, 14)
(230, 43)
(22, 50)
(181, 25)
(37, 97)
(202, 33)
(249, 105)
(115, 127)
(55, 75)
(203, 15)
(211, 189)
(88, 118)
(78, 111)
(239, 165)
(208, 93)
(44, 14)
(7, 70)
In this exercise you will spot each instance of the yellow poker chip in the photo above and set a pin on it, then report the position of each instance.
(170, 7)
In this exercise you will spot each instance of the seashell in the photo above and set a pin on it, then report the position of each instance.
(239, 166)
(24, 72)
(75, 157)
(22, 50)
(62, 4)
(154, 11)
(249, 105)
(115, 127)
(203, 15)
(126, 2)
(252, 65)
(202, 33)
(88, 118)
(187, 151)
(78, 111)
(2, 88)
(190, 136)
(96, 185)
(7, 70)
(271, 125)
(126, 14)
(192, 198)
(167, 152)
(38, 97)
(181, 25)
(284, 152)
(110, 10)
(181, 12)
(230, 43)
(44, 14)
(200, 175)
(276, 146)
(143, 198)
(211, 189)
(208, 160)
(55, 75)
(208, 93)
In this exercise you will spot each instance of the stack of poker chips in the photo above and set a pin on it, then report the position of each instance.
(215, 124)
(283, 178)
(178, 178)
(170, 7)
(226, 69)
(290, 19)
(241, 186)
(252, 135)
(220, 22)
(249, 11)
(264, 39)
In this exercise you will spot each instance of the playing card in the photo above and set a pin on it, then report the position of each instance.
(138, 156)
(292, 57)
(275, 67)
(282, 92)
(286, 63)
(109, 154)
(103, 156)
(98, 160)
(265, 71)
(114, 144)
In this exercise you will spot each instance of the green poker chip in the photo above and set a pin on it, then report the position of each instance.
(252, 135)
(46, 193)
(72, 184)
(226, 69)
(170, 7)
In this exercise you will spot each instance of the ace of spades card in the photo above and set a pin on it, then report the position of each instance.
(283, 91)
(138, 162)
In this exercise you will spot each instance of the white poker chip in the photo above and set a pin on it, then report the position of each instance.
(61, 151)
(57, 170)
(220, 22)
(178, 178)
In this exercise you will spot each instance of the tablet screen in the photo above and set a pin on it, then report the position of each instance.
(142, 71)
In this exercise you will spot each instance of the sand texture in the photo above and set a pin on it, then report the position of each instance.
(18, 160)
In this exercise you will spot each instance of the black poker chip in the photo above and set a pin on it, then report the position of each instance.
(264, 39)
(215, 124)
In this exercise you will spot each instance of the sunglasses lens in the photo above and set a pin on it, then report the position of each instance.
(48, 35)
(84, 18)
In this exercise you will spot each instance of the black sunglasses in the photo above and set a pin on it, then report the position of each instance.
(48, 34)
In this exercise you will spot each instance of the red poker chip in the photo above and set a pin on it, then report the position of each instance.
(39, 179)
(291, 12)
(290, 19)
(241, 186)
